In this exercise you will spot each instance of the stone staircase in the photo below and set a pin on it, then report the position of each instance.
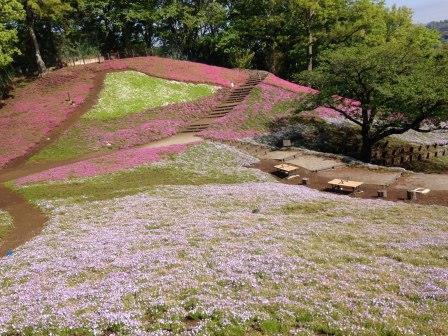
(236, 96)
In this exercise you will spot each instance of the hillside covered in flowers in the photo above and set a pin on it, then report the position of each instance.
(150, 230)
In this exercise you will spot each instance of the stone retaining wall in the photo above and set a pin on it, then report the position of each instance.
(406, 154)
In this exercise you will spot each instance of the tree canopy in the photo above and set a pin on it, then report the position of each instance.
(282, 36)
(10, 11)
(385, 87)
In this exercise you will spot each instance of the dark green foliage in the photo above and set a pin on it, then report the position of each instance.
(398, 82)
(284, 37)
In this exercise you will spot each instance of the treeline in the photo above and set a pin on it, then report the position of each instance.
(442, 27)
(281, 36)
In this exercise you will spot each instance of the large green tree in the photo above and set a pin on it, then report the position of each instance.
(386, 88)
(51, 10)
(10, 11)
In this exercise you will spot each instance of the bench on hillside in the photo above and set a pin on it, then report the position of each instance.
(286, 168)
(341, 185)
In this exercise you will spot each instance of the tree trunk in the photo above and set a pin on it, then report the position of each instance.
(310, 52)
(310, 43)
(30, 25)
(366, 150)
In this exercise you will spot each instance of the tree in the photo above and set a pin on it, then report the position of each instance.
(388, 88)
(43, 9)
(313, 21)
(188, 27)
(10, 11)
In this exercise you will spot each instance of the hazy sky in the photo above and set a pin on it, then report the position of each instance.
(425, 10)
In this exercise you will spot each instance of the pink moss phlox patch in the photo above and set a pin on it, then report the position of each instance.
(38, 108)
(281, 83)
(187, 71)
(117, 161)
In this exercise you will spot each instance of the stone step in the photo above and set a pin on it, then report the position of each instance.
(236, 96)
(213, 116)
(203, 123)
(243, 88)
(219, 112)
(231, 104)
(226, 110)
(231, 99)
(195, 129)
(240, 94)
(235, 101)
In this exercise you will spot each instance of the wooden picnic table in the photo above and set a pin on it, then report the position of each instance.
(339, 184)
(286, 168)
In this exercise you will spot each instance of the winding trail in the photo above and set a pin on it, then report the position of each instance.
(28, 220)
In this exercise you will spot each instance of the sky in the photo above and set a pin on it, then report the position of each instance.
(425, 10)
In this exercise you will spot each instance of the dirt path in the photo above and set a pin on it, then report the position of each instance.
(28, 220)
(54, 135)
(178, 139)
(10, 174)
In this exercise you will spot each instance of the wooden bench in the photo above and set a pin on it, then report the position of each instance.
(338, 184)
(286, 168)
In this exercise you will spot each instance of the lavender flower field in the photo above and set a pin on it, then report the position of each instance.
(209, 247)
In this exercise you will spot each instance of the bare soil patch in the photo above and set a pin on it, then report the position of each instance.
(28, 220)
(430, 181)
(280, 155)
(315, 163)
(368, 176)
(370, 190)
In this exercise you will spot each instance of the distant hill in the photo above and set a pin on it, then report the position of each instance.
(442, 26)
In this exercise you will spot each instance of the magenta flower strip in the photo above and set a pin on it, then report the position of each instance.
(123, 159)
